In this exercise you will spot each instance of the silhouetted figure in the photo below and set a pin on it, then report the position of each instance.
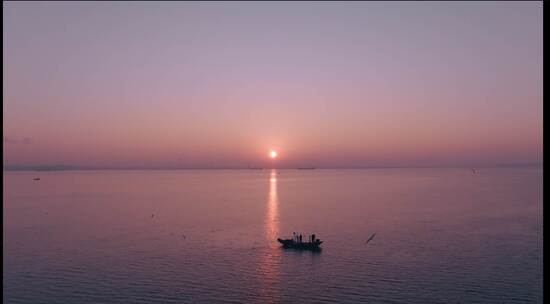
(300, 238)
(313, 238)
(294, 236)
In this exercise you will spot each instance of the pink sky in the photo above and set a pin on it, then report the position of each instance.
(326, 84)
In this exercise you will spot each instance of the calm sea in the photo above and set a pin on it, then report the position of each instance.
(209, 236)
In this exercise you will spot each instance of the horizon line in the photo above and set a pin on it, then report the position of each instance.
(137, 168)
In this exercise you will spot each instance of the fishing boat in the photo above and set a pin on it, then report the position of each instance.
(290, 243)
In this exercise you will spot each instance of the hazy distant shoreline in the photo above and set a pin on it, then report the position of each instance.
(76, 168)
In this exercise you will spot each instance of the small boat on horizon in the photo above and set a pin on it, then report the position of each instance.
(306, 168)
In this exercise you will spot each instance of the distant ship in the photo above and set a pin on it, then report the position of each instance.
(306, 168)
(36, 178)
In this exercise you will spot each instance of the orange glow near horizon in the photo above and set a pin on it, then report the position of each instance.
(261, 97)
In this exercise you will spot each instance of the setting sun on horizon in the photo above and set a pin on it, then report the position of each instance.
(273, 154)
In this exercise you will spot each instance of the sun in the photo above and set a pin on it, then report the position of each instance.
(273, 154)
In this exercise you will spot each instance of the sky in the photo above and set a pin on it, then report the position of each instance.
(220, 84)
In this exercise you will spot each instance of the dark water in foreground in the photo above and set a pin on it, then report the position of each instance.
(443, 236)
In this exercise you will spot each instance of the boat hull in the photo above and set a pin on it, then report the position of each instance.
(291, 244)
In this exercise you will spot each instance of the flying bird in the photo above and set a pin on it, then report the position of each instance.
(370, 238)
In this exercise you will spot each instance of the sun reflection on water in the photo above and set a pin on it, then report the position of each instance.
(272, 227)
(270, 259)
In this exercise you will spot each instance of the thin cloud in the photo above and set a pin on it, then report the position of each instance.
(17, 141)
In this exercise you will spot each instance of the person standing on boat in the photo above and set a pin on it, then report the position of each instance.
(313, 238)
(294, 236)
(300, 238)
